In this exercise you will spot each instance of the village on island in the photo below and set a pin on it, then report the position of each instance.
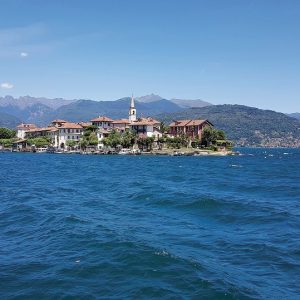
(132, 136)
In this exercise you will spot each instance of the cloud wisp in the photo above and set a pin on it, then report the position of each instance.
(24, 54)
(6, 85)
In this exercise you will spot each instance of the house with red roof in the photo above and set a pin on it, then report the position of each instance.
(191, 128)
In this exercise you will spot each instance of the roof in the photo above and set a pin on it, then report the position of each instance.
(26, 126)
(70, 125)
(59, 121)
(145, 121)
(121, 121)
(42, 129)
(182, 123)
(102, 119)
(85, 124)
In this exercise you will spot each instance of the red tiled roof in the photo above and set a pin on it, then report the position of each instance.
(121, 121)
(70, 125)
(42, 129)
(182, 123)
(102, 119)
(85, 124)
(59, 121)
(145, 121)
(26, 126)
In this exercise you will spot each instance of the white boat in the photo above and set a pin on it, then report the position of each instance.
(124, 151)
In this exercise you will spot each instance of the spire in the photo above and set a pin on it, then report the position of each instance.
(132, 102)
(132, 111)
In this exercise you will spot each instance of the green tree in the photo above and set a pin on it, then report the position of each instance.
(145, 143)
(93, 139)
(128, 139)
(164, 128)
(71, 143)
(7, 142)
(39, 142)
(211, 135)
(83, 143)
(6, 133)
(113, 140)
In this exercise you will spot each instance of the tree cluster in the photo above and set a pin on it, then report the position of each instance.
(116, 139)
(89, 137)
(7, 137)
(39, 142)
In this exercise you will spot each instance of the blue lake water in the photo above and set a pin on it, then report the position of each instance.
(102, 227)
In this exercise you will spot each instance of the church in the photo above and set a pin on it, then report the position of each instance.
(143, 127)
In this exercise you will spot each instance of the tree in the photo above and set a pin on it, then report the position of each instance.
(113, 139)
(39, 142)
(164, 128)
(6, 133)
(71, 143)
(83, 143)
(211, 135)
(145, 143)
(6, 142)
(128, 139)
(93, 139)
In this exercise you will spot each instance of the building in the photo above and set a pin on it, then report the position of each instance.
(59, 132)
(66, 131)
(147, 127)
(102, 122)
(121, 125)
(23, 128)
(190, 128)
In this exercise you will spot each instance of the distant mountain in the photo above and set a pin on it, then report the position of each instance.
(27, 101)
(185, 103)
(149, 98)
(30, 109)
(182, 103)
(246, 125)
(295, 115)
(8, 121)
(87, 109)
(42, 110)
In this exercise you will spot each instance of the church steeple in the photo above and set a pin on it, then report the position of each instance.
(132, 111)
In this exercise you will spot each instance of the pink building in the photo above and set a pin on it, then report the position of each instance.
(190, 128)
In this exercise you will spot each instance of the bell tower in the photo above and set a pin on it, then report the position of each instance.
(132, 111)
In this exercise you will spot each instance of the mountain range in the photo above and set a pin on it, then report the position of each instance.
(42, 110)
(295, 115)
(244, 125)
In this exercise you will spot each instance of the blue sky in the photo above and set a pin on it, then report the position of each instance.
(245, 52)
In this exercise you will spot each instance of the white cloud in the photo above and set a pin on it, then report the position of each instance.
(23, 54)
(6, 85)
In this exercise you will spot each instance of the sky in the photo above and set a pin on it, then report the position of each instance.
(234, 51)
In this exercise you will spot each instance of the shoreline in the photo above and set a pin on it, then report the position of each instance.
(166, 152)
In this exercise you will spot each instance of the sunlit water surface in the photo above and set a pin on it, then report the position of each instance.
(90, 227)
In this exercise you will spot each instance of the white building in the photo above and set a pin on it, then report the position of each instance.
(59, 132)
(147, 127)
(67, 131)
(102, 122)
(22, 128)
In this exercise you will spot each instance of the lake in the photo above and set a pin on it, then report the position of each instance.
(140, 227)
